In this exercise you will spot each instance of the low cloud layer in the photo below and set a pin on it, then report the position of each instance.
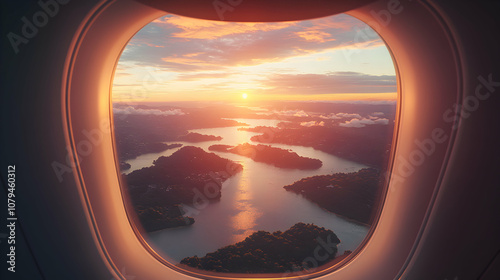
(133, 111)
(291, 113)
(378, 114)
(312, 123)
(362, 122)
(335, 82)
(338, 116)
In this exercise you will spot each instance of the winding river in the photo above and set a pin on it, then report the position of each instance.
(252, 200)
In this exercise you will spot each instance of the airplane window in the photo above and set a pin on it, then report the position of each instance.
(254, 148)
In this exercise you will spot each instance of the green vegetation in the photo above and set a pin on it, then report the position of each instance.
(190, 172)
(158, 217)
(275, 156)
(277, 252)
(135, 149)
(195, 137)
(138, 134)
(368, 145)
(348, 194)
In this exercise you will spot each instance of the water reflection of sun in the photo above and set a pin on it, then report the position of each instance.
(244, 221)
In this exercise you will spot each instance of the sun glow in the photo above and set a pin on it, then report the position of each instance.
(214, 61)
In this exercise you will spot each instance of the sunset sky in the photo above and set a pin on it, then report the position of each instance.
(181, 59)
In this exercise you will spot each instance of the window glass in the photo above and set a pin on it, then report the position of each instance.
(254, 147)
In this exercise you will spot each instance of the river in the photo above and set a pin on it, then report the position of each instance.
(252, 200)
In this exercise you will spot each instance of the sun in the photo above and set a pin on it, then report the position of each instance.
(244, 95)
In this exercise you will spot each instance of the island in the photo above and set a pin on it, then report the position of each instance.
(271, 155)
(369, 145)
(131, 150)
(183, 178)
(277, 252)
(140, 133)
(351, 195)
(195, 137)
(258, 129)
(155, 218)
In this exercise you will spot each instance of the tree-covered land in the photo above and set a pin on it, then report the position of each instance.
(271, 155)
(182, 178)
(351, 195)
(368, 145)
(195, 137)
(277, 252)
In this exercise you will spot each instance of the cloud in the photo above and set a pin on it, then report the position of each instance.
(198, 76)
(335, 82)
(337, 116)
(315, 36)
(190, 28)
(331, 116)
(256, 109)
(312, 123)
(133, 111)
(381, 121)
(127, 85)
(183, 44)
(119, 74)
(365, 102)
(346, 115)
(292, 113)
(364, 122)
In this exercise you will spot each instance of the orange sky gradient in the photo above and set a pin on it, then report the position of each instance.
(182, 59)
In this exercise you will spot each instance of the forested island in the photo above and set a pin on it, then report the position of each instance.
(157, 191)
(271, 155)
(368, 145)
(195, 137)
(138, 134)
(258, 129)
(133, 149)
(351, 195)
(277, 252)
